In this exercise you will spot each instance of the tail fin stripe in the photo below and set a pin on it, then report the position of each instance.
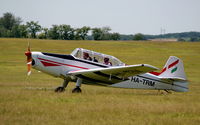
(163, 70)
(173, 64)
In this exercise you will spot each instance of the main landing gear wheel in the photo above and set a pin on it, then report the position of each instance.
(76, 90)
(60, 89)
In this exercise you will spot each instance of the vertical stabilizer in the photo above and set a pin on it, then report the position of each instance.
(173, 69)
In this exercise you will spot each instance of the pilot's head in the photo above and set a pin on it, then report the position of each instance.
(85, 55)
(106, 59)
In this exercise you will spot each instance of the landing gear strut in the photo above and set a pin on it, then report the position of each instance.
(62, 88)
(165, 90)
(78, 85)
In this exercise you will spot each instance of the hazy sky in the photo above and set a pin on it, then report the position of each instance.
(123, 16)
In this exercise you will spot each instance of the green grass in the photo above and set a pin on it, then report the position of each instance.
(31, 100)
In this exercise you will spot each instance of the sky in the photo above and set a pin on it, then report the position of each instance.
(122, 16)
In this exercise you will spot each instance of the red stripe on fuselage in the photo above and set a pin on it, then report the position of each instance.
(158, 73)
(51, 63)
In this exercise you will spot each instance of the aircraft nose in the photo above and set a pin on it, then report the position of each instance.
(28, 53)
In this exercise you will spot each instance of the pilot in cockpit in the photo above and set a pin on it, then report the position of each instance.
(107, 62)
(86, 56)
(95, 60)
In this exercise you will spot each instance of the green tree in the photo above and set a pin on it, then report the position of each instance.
(8, 21)
(33, 28)
(115, 36)
(82, 33)
(23, 31)
(105, 33)
(9, 25)
(2, 31)
(54, 32)
(106, 29)
(45, 31)
(97, 33)
(66, 32)
(138, 36)
(194, 39)
(19, 31)
(43, 34)
(15, 32)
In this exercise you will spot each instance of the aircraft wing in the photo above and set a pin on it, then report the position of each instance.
(119, 71)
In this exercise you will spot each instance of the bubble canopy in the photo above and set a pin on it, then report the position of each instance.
(96, 57)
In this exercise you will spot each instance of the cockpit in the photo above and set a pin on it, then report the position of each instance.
(96, 57)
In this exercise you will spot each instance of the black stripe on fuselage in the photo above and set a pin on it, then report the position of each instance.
(70, 57)
(94, 80)
(108, 76)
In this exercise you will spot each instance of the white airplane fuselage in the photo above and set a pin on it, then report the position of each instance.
(59, 65)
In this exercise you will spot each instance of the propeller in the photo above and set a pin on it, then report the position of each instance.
(29, 59)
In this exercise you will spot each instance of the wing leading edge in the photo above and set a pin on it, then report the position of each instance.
(112, 74)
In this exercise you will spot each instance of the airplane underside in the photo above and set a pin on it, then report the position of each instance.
(144, 81)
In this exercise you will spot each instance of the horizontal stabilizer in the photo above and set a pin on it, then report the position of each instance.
(173, 78)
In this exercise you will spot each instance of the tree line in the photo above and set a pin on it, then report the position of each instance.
(11, 26)
(184, 36)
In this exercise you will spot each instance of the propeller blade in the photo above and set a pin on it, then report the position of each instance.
(29, 59)
(29, 47)
(29, 67)
(29, 73)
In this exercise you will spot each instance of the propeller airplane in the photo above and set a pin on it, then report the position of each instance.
(89, 67)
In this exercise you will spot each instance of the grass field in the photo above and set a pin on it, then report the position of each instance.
(31, 100)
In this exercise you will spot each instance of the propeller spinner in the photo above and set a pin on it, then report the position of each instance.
(29, 59)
